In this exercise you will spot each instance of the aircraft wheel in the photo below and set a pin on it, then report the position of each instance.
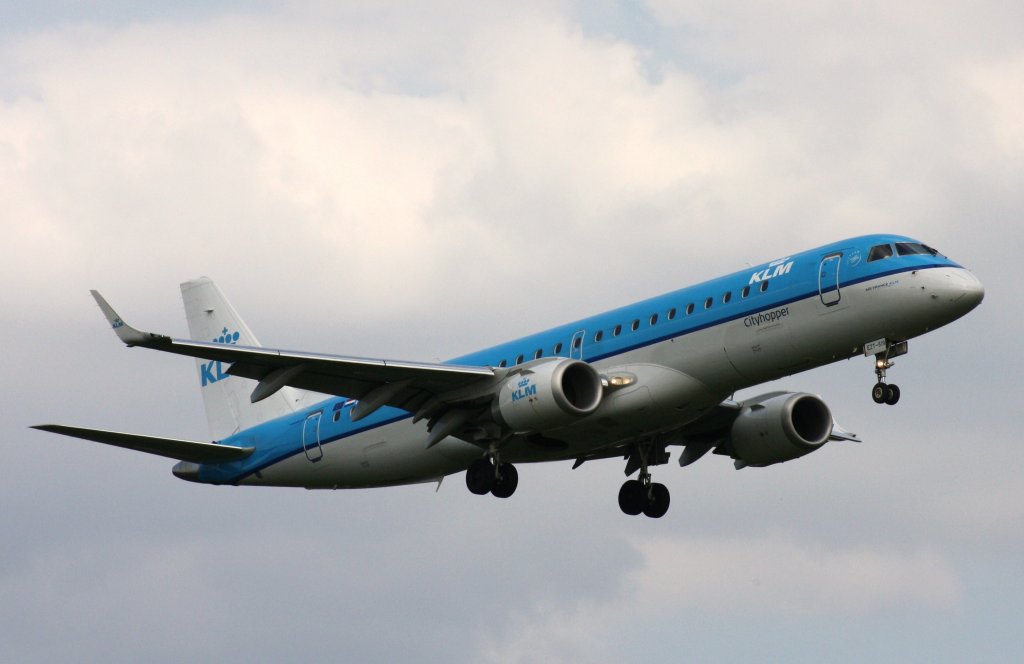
(480, 476)
(892, 395)
(657, 502)
(505, 485)
(632, 497)
(879, 392)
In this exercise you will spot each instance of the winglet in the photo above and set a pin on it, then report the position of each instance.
(126, 333)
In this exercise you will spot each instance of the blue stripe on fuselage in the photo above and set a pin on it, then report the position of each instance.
(281, 439)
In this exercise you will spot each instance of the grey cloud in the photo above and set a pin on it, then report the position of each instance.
(419, 184)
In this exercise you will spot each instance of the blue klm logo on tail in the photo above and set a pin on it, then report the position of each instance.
(213, 371)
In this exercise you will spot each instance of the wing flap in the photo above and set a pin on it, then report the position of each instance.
(173, 448)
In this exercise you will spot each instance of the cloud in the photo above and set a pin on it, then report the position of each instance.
(732, 580)
(782, 575)
(419, 182)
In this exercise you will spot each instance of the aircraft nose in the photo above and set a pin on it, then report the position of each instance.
(973, 290)
(962, 290)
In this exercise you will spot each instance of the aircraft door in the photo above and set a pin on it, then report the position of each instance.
(311, 437)
(828, 279)
(576, 345)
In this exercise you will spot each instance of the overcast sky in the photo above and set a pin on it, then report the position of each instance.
(417, 183)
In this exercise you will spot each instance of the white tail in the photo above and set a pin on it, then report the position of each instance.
(226, 398)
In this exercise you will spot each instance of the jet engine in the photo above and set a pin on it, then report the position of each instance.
(780, 426)
(548, 395)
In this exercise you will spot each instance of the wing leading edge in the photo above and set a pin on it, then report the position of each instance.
(416, 387)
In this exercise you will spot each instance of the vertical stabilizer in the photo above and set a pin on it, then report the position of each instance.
(226, 398)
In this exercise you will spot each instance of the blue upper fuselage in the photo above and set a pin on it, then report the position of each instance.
(670, 315)
(681, 312)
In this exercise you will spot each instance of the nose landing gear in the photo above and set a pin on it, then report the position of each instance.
(883, 392)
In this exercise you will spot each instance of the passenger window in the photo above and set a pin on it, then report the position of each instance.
(503, 364)
(726, 297)
(617, 330)
(598, 336)
(537, 355)
(519, 359)
(671, 314)
(745, 292)
(635, 325)
(689, 309)
(654, 319)
(558, 348)
(879, 251)
(576, 342)
(708, 302)
(337, 415)
(764, 285)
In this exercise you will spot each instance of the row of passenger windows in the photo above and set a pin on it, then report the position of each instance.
(635, 325)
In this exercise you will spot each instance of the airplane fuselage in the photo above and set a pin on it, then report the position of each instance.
(673, 357)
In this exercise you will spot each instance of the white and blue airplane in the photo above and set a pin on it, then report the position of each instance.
(629, 383)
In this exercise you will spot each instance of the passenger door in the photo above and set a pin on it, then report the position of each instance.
(311, 437)
(828, 279)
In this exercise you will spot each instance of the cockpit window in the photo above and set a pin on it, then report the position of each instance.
(879, 251)
(913, 248)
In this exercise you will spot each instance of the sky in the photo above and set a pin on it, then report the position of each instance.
(418, 182)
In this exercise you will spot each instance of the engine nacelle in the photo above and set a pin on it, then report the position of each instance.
(779, 427)
(548, 395)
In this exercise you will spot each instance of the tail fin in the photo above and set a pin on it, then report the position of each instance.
(226, 398)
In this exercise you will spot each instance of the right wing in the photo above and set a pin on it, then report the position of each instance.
(424, 389)
(183, 450)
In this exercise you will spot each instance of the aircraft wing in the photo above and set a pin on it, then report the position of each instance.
(710, 431)
(411, 386)
(183, 450)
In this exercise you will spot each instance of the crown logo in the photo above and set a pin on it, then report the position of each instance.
(227, 337)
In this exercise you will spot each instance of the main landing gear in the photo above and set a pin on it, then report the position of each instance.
(883, 392)
(642, 495)
(486, 476)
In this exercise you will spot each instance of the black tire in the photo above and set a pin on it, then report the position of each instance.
(879, 392)
(480, 477)
(507, 481)
(892, 395)
(632, 497)
(657, 503)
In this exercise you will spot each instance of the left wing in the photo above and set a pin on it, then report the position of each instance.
(183, 450)
(421, 388)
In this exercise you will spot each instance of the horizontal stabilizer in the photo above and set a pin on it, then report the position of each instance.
(183, 450)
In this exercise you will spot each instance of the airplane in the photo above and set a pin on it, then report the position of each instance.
(631, 383)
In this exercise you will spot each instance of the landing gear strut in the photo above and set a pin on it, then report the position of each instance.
(642, 495)
(883, 392)
(486, 476)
